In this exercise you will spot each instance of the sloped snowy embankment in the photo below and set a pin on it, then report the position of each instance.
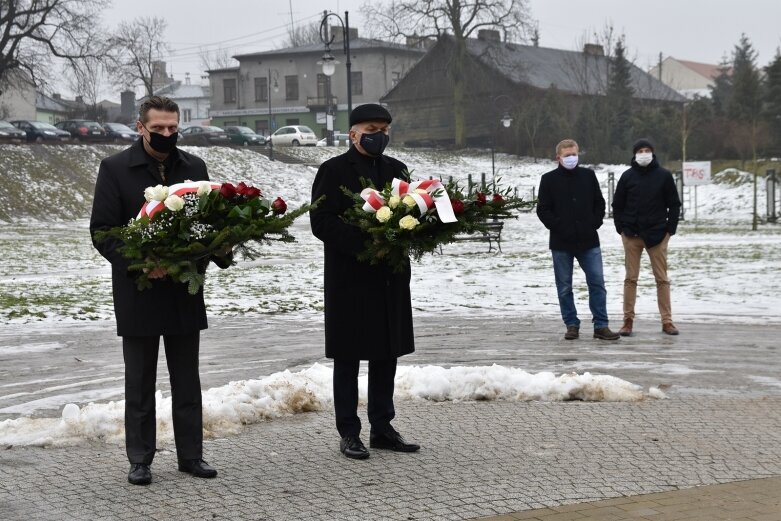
(227, 408)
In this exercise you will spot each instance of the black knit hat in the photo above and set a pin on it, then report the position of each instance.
(369, 112)
(642, 143)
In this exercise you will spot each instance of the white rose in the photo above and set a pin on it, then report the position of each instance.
(383, 214)
(409, 201)
(156, 193)
(408, 222)
(174, 203)
(204, 187)
(394, 201)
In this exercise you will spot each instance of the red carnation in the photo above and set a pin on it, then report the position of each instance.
(279, 206)
(458, 206)
(228, 191)
(498, 199)
(480, 198)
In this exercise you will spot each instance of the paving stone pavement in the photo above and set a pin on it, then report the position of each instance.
(721, 424)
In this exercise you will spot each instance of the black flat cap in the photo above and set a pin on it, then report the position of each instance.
(642, 143)
(369, 112)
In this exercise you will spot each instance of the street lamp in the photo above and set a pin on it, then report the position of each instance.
(329, 63)
(270, 125)
(505, 122)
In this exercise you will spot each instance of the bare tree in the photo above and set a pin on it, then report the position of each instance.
(302, 35)
(32, 32)
(216, 59)
(136, 46)
(459, 19)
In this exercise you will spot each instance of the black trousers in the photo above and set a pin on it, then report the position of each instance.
(181, 353)
(382, 374)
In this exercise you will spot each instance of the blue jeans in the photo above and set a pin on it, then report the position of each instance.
(591, 263)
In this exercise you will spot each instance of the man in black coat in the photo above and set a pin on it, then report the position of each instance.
(646, 209)
(368, 311)
(166, 309)
(571, 206)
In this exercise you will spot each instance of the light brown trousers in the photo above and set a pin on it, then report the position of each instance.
(633, 250)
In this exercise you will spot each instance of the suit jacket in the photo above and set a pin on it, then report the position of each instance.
(570, 204)
(368, 311)
(166, 308)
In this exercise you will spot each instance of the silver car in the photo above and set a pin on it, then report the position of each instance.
(294, 135)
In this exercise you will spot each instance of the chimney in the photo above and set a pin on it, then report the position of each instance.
(128, 104)
(80, 100)
(56, 96)
(338, 33)
(593, 49)
(489, 35)
(186, 78)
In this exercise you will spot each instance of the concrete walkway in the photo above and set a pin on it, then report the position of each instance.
(655, 459)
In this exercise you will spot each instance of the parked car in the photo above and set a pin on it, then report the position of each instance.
(203, 136)
(294, 135)
(339, 140)
(117, 132)
(83, 130)
(11, 134)
(244, 136)
(39, 131)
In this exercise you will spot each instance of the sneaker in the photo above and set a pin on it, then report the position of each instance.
(573, 332)
(626, 329)
(604, 333)
(669, 328)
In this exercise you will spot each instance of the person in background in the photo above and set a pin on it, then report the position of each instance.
(571, 206)
(646, 209)
(368, 309)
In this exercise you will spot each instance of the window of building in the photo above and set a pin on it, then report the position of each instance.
(291, 87)
(323, 88)
(261, 127)
(356, 79)
(292, 121)
(186, 115)
(261, 89)
(229, 90)
(395, 77)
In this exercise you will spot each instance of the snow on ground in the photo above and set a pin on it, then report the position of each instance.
(226, 409)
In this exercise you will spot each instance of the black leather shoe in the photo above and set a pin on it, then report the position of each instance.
(139, 474)
(353, 447)
(197, 467)
(391, 441)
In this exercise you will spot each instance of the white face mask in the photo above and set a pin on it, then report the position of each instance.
(569, 162)
(644, 159)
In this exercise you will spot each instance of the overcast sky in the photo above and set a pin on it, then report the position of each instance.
(697, 30)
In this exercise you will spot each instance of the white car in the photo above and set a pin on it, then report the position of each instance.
(294, 135)
(339, 140)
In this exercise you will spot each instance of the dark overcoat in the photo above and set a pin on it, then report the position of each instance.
(166, 308)
(646, 203)
(368, 310)
(570, 204)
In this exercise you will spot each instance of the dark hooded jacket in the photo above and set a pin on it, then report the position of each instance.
(570, 204)
(646, 203)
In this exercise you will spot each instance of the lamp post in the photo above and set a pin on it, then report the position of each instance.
(270, 125)
(505, 122)
(329, 63)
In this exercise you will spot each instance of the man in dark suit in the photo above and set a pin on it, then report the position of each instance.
(166, 309)
(368, 311)
(571, 206)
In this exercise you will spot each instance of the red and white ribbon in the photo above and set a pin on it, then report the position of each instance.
(150, 208)
(428, 199)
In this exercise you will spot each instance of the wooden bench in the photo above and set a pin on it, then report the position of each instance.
(492, 235)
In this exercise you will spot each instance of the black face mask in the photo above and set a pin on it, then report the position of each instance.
(374, 144)
(160, 143)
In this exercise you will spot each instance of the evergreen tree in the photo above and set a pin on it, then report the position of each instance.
(746, 103)
(619, 101)
(721, 90)
(771, 96)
